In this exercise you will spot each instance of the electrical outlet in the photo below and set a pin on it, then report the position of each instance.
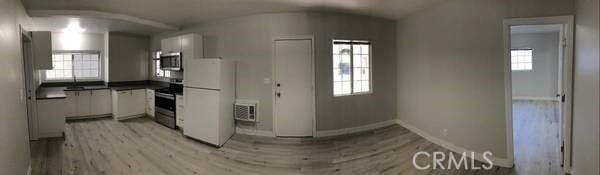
(445, 132)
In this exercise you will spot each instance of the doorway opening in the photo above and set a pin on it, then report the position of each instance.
(538, 57)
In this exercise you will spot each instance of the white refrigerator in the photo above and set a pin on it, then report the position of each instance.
(209, 92)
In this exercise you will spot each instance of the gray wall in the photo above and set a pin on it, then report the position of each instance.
(14, 144)
(248, 40)
(127, 57)
(451, 69)
(542, 81)
(586, 101)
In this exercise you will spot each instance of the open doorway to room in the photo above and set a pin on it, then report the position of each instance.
(539, 57)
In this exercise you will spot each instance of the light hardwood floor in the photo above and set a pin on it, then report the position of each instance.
(141, 146)
(536, 137)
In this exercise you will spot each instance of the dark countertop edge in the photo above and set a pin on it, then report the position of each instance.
(88, 88)
(44, 91)
(50, 98)
(126, 88)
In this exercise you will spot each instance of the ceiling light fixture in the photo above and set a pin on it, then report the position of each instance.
(73, 27)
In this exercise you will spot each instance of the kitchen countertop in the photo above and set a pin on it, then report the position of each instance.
(59, 92)
(51, 93)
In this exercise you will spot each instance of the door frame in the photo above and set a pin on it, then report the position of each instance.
(567, 81)
(28, 73)
(274, 75)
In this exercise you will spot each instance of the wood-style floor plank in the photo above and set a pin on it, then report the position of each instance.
(141, 146)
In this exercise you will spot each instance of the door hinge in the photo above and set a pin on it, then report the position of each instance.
(563, 42)
(562, 148)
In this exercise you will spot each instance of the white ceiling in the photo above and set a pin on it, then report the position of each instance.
(92, 25)
(181, 13)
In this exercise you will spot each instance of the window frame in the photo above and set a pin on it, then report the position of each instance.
(73, 52)
(156, 66)
(370, 66)
(512, 64)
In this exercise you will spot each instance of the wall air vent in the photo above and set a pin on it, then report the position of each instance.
(245, 111)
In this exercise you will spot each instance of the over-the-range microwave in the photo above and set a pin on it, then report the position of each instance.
(171, 61)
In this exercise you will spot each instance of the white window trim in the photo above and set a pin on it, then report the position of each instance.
(352, 93)
(100, 68)
(154, 65)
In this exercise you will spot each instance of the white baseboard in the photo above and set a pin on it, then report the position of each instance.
(502, 162)
(343, 131)
(130, 117)
(50, 135)
(254, 132)
(527, 98)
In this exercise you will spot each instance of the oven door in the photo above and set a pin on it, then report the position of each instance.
(164, 101)
(171, 61)
(165, 117)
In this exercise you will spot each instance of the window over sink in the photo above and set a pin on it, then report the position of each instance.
(71, 65)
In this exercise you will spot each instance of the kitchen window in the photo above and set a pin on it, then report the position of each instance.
(521, 59)
(74, 65)
(157, 71)
(351, 67)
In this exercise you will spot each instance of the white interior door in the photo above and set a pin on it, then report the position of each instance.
(294, 97)
(30, 86)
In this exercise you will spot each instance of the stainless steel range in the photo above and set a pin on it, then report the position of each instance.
(165, 105)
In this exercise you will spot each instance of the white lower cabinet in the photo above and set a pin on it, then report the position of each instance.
(70, 104)
(100, 102)
(51, 117)
(87, 103)
(150, 102)
(83, 99)
(128, 103)
(179, 110)
(139, 101)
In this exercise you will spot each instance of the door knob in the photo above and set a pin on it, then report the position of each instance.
(278, 94)
(278, 84)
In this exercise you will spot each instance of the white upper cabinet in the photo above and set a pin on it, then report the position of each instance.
(172, 44)
(190, 46)
(42, 49)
